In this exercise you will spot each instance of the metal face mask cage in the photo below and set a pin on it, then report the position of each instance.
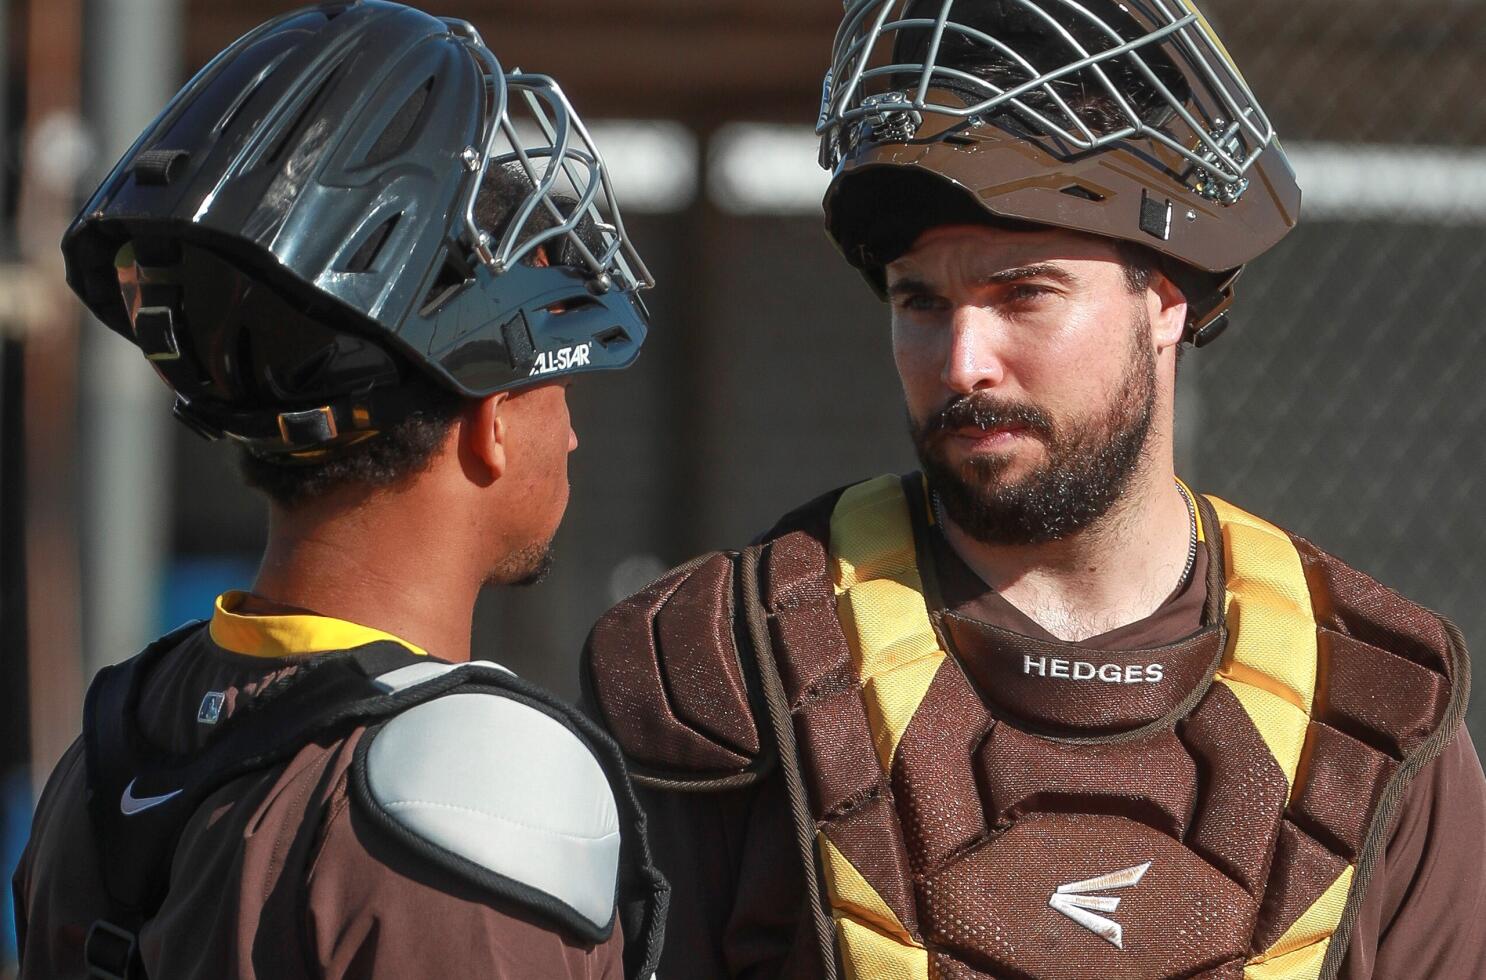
(556, 285)
(1219, 131)
(559, 158)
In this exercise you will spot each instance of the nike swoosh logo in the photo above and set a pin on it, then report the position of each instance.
(131, 804)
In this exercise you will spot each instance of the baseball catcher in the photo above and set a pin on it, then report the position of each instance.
(1041, 710)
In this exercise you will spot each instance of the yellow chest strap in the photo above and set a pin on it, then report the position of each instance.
(1270, 665)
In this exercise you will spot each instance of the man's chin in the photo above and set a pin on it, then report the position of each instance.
(526, 567)
(536, 576)
(993, 471)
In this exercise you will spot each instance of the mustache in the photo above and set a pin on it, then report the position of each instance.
(982, 411)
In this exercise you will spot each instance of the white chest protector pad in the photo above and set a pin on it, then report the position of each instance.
(498, 787)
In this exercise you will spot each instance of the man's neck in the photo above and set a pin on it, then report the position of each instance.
(1117, 571)
(388, 575)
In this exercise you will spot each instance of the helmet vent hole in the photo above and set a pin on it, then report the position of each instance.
(611, 336)
(369, 249)
(394, 137)
(238, 104)
(301, 123)
(1080, 191)
(453, 276)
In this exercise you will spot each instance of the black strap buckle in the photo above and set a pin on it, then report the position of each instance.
(112, 953)
(310, 427)
(1211, 332)
(154, 332)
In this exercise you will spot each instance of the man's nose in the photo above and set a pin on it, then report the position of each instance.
(973, 362)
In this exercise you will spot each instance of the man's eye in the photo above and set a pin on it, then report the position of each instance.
(919, 303)
(1028, 293)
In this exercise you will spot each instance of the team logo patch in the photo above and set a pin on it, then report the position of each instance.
(211, 707)
(1074, 901)
(562, 359)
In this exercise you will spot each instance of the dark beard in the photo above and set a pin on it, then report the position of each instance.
(1089, 463)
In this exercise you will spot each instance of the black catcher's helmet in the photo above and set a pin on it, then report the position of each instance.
(303, 230)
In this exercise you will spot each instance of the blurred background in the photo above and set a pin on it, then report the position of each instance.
(1346, 403)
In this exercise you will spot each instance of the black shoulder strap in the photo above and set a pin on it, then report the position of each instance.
(140, 798)
(757, 602)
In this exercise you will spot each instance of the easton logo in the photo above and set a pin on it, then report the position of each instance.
(1074, 901)
(563, 359)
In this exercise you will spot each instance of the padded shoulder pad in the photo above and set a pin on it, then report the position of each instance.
(505, 793)
(1396, 673)
(663, 671)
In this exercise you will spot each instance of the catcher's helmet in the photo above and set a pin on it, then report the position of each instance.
(1123, 119)
(346, 198)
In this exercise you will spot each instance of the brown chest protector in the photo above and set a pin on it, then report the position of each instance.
(1210, 809)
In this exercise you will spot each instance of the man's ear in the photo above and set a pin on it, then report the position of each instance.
(482, 437)
(1167, 306)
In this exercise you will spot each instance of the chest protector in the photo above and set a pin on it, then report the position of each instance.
(1211, 809)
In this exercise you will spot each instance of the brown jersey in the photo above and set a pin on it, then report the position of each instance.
(278, 875)
(747, 903)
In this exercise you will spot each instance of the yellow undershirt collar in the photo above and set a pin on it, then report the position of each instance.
(296, 635)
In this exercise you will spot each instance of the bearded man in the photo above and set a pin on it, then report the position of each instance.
(1041, 711)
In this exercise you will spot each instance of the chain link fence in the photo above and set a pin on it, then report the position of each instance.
(1348, 402)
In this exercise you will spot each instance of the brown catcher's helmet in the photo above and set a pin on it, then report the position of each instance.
(1122, 119)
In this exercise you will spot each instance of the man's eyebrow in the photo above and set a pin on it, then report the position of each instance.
(908, 287)
(1040, 270)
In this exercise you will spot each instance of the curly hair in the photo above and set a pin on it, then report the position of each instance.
(394, 454)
